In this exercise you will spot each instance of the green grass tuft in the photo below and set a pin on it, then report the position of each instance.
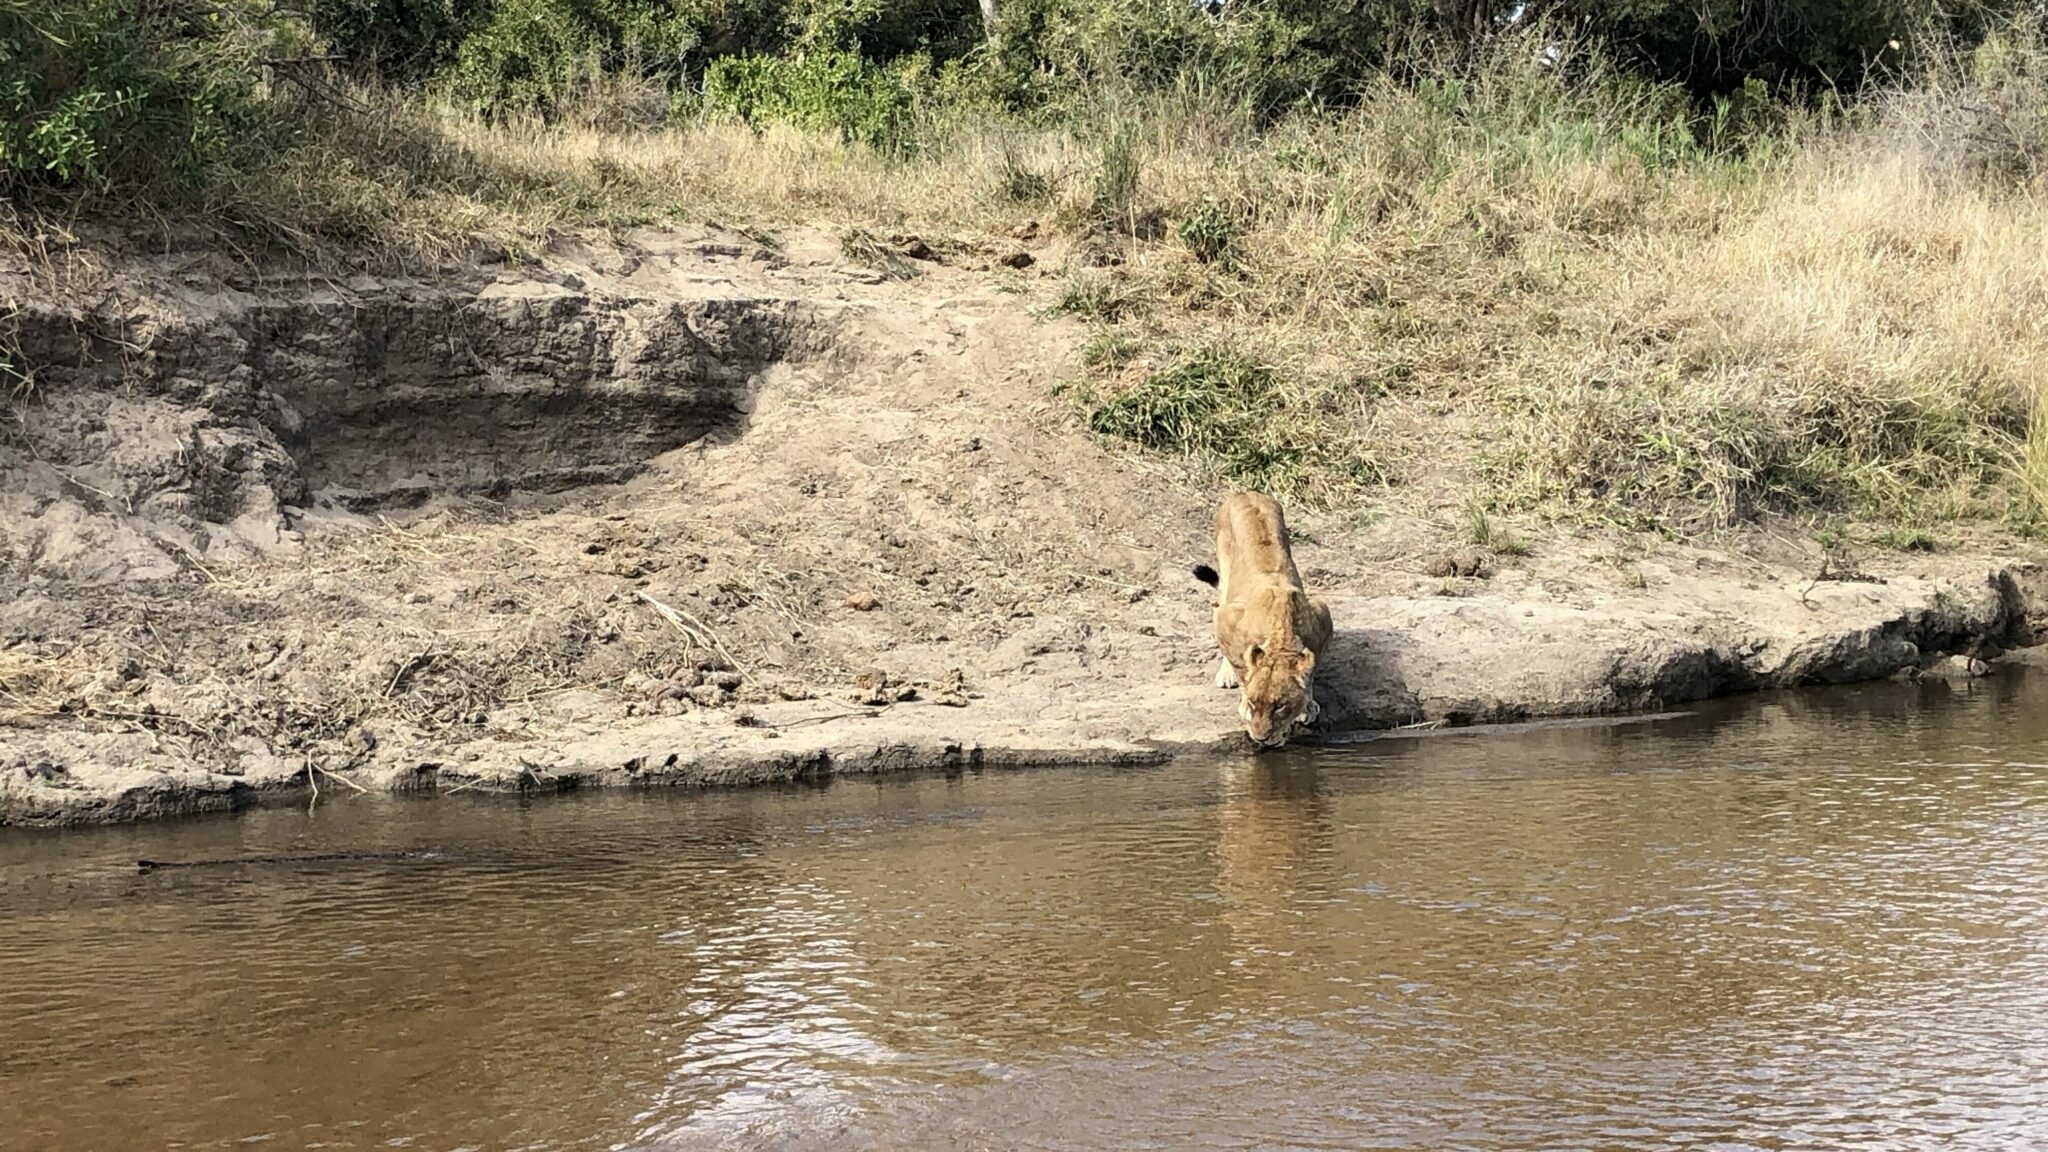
(1481, 529)
(1907, 540)
(1249, 420)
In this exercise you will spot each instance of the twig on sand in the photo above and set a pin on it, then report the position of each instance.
(528, 775)
(695, 632)
(863, 714)
(124, 505)
(312, 782)
(1116, 584)
(333, 775)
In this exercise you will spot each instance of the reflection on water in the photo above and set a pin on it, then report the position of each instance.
(1815, 921)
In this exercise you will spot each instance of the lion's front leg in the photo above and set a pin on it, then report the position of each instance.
(1226, 676)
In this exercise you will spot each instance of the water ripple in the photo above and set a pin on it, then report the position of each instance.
(1809, 921)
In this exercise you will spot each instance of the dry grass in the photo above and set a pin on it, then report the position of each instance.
(1834, 328)
(36, 683)
(416, 180)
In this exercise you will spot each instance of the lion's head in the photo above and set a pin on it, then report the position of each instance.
(1276, 700)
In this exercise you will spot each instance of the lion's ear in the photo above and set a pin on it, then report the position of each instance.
(1254, 654)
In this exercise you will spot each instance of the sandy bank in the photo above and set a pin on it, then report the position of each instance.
(695, 510)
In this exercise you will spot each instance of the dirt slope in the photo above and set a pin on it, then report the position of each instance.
(691, 508)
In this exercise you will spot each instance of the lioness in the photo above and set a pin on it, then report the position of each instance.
(1270, 630)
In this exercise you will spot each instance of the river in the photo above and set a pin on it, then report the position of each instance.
(1800, 921)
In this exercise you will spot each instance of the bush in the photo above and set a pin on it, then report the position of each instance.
(1210, 234)
(825, 91)
(1714, 46)
(1980, 113)
(1261, 59)
(99, 94)
(403, 41)
(543, 55)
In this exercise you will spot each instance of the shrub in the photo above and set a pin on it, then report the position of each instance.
(100, 95)
(1982, 112)
(545, 55)
(828, 91)
(403, 41)
(1210, 234)
(1259, 58)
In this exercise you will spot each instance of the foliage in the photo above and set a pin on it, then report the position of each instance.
(403, 41)
(546, 55)
(824, 91)
(1716, 45)
(1210, 233)
(1259, 59)
(1981, 114)
(99, 93)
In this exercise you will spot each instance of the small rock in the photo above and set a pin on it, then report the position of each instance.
(863, 602)
(1019, 259)
(1960, 667)
(870, 688)
(951, 692)
(875, 688)
(709, 696)
(913, 247)
(1025, 232)
(1466, 563)
(730, 681)
(789, 691)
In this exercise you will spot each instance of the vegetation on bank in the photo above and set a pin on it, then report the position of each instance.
(1325, 247)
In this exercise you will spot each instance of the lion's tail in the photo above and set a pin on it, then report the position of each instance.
(1207, 575)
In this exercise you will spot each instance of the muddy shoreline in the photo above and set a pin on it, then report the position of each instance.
(689, 510)
(787, 743)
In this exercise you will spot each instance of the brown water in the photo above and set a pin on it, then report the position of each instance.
(1813, 922)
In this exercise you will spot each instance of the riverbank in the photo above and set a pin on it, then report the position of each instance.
(702, 506)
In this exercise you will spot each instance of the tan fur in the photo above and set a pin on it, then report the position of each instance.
(1270, 630)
